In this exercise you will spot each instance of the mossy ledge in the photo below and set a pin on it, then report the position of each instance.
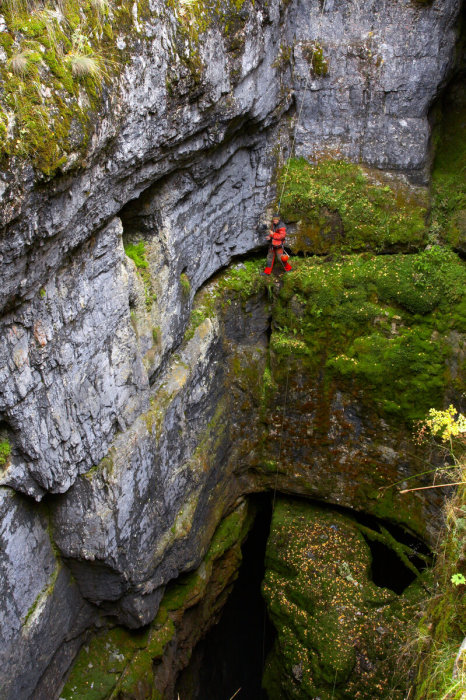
(344, 207)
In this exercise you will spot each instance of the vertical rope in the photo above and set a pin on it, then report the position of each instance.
(281, 439)
(293, 143)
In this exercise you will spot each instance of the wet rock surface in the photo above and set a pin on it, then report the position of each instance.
(146, 437)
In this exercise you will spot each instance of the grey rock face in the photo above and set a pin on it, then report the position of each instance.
(145, 135)
(386, 62)
(70, 370)
(40, 604)
(124, 528)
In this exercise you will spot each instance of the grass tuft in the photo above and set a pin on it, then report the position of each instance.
(5, 451)
(19, 64)
(84, 65)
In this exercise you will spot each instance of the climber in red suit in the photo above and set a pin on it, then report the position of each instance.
(276, 236)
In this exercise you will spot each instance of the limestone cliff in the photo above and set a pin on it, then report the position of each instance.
(131, 424)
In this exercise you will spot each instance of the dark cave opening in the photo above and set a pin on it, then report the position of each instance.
(387, 568)
(229, 661)
(232, 655)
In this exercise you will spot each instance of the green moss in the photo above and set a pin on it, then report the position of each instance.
(230, 531)
(5, 451)
(52, 105)
(100, 664)
(381, 323)
(185, 284)
(328, 614)
(448, 219)
(43, 595)
(345, 207)
(314, 54)
(239, 282)
(242, 280)
(138, 252)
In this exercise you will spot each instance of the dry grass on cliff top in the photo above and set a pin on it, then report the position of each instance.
(54, 59)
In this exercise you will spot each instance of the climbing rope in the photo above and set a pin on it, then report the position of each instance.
(293, 143)
(281, 438)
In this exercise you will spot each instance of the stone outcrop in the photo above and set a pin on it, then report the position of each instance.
(114, 418)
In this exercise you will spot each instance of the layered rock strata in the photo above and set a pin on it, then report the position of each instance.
(88, 360)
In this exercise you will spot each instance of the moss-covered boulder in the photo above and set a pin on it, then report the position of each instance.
(338, 634)
(341, 206)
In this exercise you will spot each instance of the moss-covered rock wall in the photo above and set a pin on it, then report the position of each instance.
(161, 129)
(339, 635)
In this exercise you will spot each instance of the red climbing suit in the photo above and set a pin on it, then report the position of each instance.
(276, 237)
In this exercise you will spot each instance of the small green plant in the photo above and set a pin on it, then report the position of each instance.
(137, 253)
(185, 284)
(458, 579)
(5, 451)
(314, 54)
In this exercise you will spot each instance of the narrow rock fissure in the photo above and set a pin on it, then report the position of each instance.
(232, 655)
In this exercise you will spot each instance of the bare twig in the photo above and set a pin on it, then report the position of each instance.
(434, 486)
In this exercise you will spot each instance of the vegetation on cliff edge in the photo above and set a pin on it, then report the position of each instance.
(54, 61)
(438, 650)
